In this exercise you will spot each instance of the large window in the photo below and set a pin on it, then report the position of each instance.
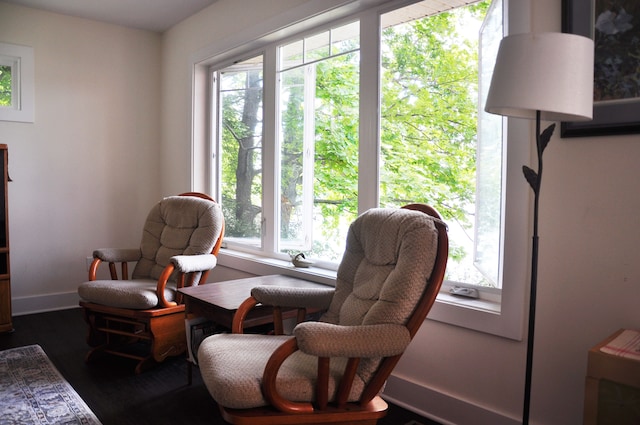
(306, 134)
(428, 123)
(429, 145)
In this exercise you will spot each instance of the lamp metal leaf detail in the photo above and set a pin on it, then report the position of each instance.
(531, 176)
(542, 141)
(545, 137)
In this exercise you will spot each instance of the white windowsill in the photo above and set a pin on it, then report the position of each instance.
(476, 314)
(482, 305)
(258, 265)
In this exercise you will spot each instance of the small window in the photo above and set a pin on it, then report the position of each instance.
(6, 85)
(16, 83)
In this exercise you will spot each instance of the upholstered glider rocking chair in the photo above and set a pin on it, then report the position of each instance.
(142, 318)
(332, 370)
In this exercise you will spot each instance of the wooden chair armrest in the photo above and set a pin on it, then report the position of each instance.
(271, 394)
(269, 380)
(162, 284)
(284, 296)
(194, 263)
(188, 268)
(113, 256)
(237, 326)
(95, 264)
(328, 340)
(117, 255)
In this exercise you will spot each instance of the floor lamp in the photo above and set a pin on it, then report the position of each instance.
(545, 76)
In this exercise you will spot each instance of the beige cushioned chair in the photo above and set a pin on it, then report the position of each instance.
(143, 318)
(331, 370)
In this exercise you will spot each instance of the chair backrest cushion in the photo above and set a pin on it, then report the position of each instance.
(388, 259)
(177, 225)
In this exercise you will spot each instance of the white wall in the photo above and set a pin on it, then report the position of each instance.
(85, 173)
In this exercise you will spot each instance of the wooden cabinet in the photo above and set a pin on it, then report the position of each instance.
(5, 275)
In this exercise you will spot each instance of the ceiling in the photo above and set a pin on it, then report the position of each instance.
(153, 15)
(160, 15)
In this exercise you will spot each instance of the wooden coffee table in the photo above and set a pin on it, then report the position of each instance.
(219, 301)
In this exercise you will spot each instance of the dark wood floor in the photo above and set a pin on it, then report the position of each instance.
(115, 394)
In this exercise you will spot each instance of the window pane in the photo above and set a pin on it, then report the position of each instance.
(291, 55)
(320, 46)
(316, 47)
(345, 38)
(429, 122)
(5, 85)
(295, 158)
(240, 94)
(319, 117)
(489, 185)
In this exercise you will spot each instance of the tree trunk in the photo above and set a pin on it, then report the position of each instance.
(247, 145)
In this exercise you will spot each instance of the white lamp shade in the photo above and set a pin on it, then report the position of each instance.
(547, 72)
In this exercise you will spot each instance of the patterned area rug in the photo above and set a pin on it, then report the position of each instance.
(32, 391)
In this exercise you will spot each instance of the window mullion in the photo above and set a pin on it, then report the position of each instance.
(369, 127)
(215, 137)
(270, 159)
(309, 152)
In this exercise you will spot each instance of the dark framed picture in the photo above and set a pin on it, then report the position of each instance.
(614, 26)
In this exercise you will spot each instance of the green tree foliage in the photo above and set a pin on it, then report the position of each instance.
(429, 114)
(336, 144)
(5, 86)
(335, 103)
(241, 124)
(292, 149)
(429, 107)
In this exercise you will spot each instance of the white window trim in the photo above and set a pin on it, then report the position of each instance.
(21, 58)
(503, 318)
(506, 317)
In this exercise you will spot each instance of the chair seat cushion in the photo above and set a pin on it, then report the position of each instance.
(134, 294)
(232, 366)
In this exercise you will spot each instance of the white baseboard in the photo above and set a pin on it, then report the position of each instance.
(440, 407)
(41, 303)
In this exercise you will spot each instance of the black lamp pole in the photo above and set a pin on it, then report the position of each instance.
(535, 180)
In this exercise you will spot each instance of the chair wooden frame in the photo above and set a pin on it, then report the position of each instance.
(371, 406)
(113, 329)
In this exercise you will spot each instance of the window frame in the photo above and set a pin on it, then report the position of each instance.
(498, 312)
(20, 59)
(215, 171)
